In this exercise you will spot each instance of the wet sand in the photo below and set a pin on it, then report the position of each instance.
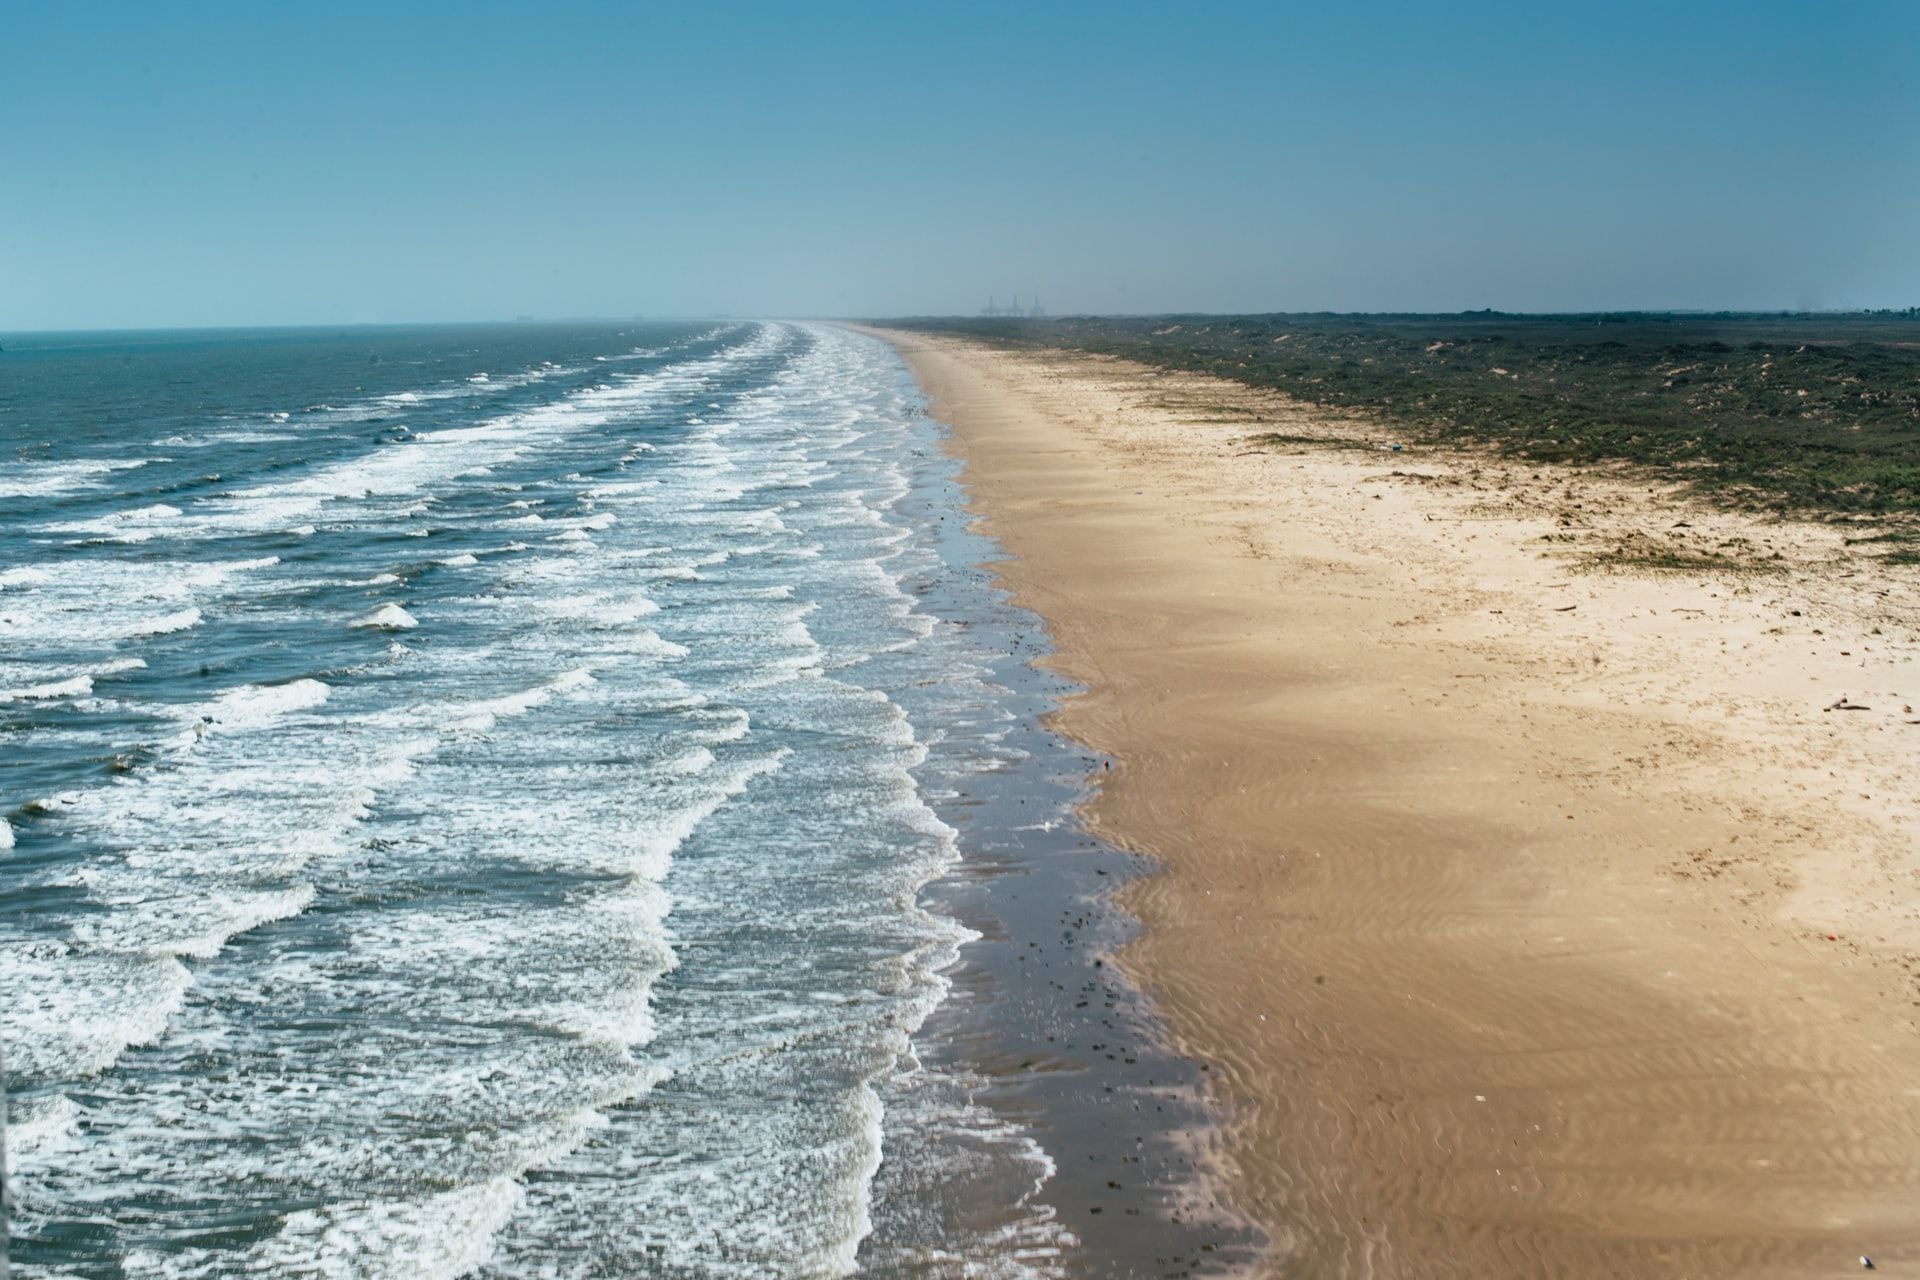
(1526, 915)
(1048, 1034)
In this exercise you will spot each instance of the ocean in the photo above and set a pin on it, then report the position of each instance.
(517, 801)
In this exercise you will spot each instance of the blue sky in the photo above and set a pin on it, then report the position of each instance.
(252, 164)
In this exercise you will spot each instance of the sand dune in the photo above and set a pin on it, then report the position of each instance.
(1500, 869)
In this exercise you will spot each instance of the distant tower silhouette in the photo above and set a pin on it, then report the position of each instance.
(1013, 309)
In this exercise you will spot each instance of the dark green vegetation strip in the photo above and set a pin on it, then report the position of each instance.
(1817, 414)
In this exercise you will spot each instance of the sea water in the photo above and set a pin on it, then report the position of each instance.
(467, 801)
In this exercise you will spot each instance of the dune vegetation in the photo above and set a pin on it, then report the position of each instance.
(1809, 413)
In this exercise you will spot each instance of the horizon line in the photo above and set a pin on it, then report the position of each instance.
(683, 317)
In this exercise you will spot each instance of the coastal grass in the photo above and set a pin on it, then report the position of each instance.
(1286, 440)
(1642, 553)
(1899, 544)
(1810, 414)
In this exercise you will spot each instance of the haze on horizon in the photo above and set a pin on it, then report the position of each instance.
(222, 164)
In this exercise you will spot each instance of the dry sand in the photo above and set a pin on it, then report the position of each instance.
(1499, 879)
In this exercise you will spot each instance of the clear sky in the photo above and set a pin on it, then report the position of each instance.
(184, 164)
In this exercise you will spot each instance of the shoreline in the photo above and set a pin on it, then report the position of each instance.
(1038, 1026)
(1503, 941)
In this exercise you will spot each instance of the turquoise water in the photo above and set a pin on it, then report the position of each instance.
(468, 795)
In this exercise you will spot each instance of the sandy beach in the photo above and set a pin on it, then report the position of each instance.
(1528, 913)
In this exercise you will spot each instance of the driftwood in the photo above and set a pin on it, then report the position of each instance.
(1841, 704)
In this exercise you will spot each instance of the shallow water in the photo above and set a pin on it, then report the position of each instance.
(470, 797)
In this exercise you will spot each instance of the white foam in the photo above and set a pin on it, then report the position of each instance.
(226, 438)
(109, 599)
(645, 641)
(144, 515)
(646, 849)
(197, 925)
(212, 845)
(480, 716)
(35, 1128)
(256, 706)
(46, 478)
(388, 617)
(599, 609)
(71, 1015)
(420, 460)
(610, 778)
(436, 1237)
(178, 620)
(76, 687)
